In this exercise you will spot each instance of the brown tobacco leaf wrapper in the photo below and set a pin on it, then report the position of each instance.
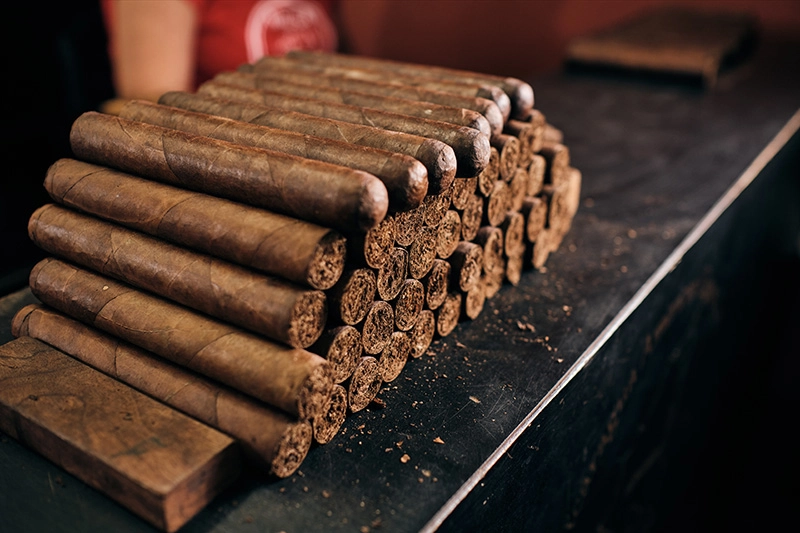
(323, 193)
(490, 239)
(405, 178)
(394, 357)
(327, 425)
(536, 172)
(448, 315)
(471, 217)
(541, 248)
(490, 174)
(463, 188)
(526, 133)
(514, 268)
(372, 247)
(473, 302)
(407, 225)
(377, 327)
(449, 234)
(497, 204)
(436, 283)
(493, 281)
(422, 333)
(519, 92)
(270, 438)
(402, 106)
(556, 156)
(535, 211)
(513, 233)
(341, 347)
(517, 189)
(295, 380)
(438, 158)
(422, 252)
(508, 148)
(293, 249)
(409, 304)
(487, 108)
(364, 385)
(350, 298)
(470, 146)
(466, 265)
(392, 274)
(266, 305)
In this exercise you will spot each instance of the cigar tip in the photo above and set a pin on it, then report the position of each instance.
(19, 324)
(374, 204)
(442, 170)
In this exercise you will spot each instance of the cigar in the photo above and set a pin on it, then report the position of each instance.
(405, 178)
(364, 384)
(473, 302)
(472, 90)
(497, 204)
(553, 134)
(508, 148)
(536, 174)
(392, 274)
(330, 195)
(266, 305)
(341, 347)
(534, 209)
(471, 218)
(466, 265)
(350, 298)
(422, 252)
(327, 425)
(514, 267)
(437, 157)
(453, 115)
(518, 189)
(292, 379)
(490, 239)
(393, 358)
(449, 234)
(298, 251)
(539, 123)
(541, 248)
(471, 147)
(409, 304)
(448, 314)
(490, 174)
(513, 233)
(519, 92)
(484, 106)
(422, 333)
(463, 188)
(434, 206)
(407, 225)
(562, 203)
(373, 246)
(271, 439)
(493, 281)
(436, 284)
(377, 327)
(557, 160)
(525, 132)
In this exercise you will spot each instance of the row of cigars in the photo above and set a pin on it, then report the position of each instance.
(264, 253)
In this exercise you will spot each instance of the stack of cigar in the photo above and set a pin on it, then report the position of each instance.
(264, 253)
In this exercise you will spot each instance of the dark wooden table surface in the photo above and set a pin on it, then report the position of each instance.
(649, 324)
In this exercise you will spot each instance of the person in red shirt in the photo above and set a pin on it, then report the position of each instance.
(157, 46)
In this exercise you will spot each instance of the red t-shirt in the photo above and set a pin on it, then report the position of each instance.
(233, 32)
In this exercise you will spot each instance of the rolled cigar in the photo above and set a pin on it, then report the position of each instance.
(403, 106)
(553, 134)
(497, 204)
(539, 123)
(266, 305)
(434, 206)
(490, 174)
(405, 178)
(407, 225)
(422, 333)
(470, 146)
(422, 252)
(436, 283)
(364, 384)
(393, 358)
(534, 209)
(350, 298)
(377, 327)
(373, 246)
(526, 133)
(556, 156)
(271, 438)
(493, 281)
(392, 274)
(449, 234)
(327, 425)
(448, 315)
(519, 92)
(508, 148)
(292, 73)
(479, 90)
(341, 347)
(463, 188)
(562, 205)
(541, 248)
(409, 304)
(517, 189)
(490, 239)
(292, 379)
(473, 302)
(536, 174)
(323, 193)
(466, 265)
(293, 249)
(514, 267)
(471, 218)
(438, 158)
(513, 233)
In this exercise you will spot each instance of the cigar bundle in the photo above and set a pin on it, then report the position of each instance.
(265, 253)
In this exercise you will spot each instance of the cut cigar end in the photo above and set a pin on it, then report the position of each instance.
(364, 384)
(393, 358)
(327, 264)
(422, 333)
(315, 392)
(292, 449)
(309, 316)
(327, 425)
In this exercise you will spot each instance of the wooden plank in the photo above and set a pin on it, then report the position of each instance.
(158, 463)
